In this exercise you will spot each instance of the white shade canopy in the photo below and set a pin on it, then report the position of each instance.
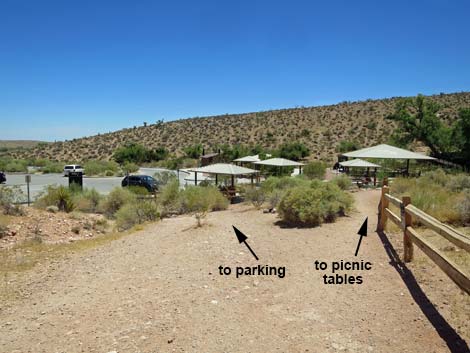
(250, 159)
(224, 169)
(359, 163)
(280, 162)
(386, 152)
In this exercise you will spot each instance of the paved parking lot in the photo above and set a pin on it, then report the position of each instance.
(40, 181)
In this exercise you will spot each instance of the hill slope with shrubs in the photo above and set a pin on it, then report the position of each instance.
(321, 129)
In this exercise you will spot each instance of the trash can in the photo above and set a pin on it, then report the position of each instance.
(76, 178)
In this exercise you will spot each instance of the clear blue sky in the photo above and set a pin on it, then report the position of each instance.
(75, 68)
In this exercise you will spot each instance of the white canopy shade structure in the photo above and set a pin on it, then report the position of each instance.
(223, 169)
(248, 159)
(386, 152)
(359, 163)
(190, 177)
(280, 162)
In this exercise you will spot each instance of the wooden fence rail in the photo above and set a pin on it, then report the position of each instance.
(404, 221)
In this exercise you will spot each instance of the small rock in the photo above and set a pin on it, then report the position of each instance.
(214, 302)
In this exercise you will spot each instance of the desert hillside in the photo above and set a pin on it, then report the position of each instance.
(320, 128)
(18, 144)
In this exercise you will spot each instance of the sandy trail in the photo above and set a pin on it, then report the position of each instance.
(160, 291)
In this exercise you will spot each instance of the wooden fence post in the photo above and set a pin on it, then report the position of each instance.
(406, 220)
(383, 206)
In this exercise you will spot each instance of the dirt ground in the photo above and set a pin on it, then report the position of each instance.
(50, 227)
(159, 290)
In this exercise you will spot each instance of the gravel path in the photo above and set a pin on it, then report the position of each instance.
(159, 290)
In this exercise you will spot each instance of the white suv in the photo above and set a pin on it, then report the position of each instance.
(73, 168)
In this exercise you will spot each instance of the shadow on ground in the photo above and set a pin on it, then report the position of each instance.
(453, 340)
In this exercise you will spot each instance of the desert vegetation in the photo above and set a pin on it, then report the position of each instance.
(301, 201)
(419, 120)
(443, 196)
(127, 207)
(321, 129)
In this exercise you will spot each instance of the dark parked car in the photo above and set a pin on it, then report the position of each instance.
(3, 178)
(144, 181)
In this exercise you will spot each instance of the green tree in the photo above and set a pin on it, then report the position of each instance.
(194, 151)
(160, 153)
(417, 120)
(132, 152)
(293, 151)
(346, 146)
(315, 170)
(461, 135)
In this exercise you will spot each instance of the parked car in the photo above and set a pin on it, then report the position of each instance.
(3, 178)
(144, 181)
(73, 168)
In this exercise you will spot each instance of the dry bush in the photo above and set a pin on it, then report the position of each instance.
(134, 213)
(116, 199)
(441, 195)
(59, 196)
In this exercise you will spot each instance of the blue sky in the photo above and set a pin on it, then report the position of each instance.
(75, 68)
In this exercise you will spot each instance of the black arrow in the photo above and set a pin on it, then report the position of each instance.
(242, 239)
(363, 233)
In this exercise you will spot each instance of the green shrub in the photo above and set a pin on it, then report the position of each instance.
(138, 190)
(172, 163)
(282, 183)
(274, 197)
(52, 167)
(116, 199)
(343, 181)
(218, 201)
(163, 177)
(130, 168)
(275, 187)
(16, 166)
(314, 204)
(136, 213)
(196, 200)
(59, 196)
(315, 170)
(108, 168)
(10, 197)
(459, 182)
(437, 176)
(87, 201)
(432, 194)
(169, 198)
(255, 195)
